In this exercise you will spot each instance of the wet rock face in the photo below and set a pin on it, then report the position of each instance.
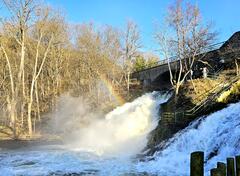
(164, 130)
(161, 134)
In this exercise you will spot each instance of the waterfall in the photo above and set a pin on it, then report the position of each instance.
(108, 146)
(218, 135)
(124, 130)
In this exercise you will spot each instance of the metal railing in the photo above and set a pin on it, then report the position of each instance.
(175, 58)
(172, 117)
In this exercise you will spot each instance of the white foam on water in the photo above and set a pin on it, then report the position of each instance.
(124, 130)
(219, 133)
(104, 147)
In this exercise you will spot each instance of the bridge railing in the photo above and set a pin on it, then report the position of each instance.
(175, 58)
(165, 61)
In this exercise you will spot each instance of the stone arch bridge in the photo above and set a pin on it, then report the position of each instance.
(216, 56)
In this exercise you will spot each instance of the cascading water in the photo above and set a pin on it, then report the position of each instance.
(218, 135)
(103, 147)
(107, 147)
(124, 130)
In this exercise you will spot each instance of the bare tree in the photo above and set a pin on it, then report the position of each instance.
(17, 28)
(189, 38)
(31, 31)
(41, 31)
(131, 46)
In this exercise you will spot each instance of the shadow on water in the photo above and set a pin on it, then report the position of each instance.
(89, 172)
(96, 172)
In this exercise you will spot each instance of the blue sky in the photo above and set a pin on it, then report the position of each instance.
(225, 14)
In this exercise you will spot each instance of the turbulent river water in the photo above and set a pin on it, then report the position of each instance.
(108, 147)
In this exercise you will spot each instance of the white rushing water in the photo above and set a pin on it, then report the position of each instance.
(123, 131)
(109, 149)
(218, 134)
(104, 145)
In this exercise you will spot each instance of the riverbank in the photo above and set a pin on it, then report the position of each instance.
(9, 144)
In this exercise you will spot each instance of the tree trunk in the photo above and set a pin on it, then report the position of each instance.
(237, 67)
(37, 101)
(13, 118)
(177, 87)
(29, 119)
(128, 82)
(194, 87)
(22, 115)
(11, 102)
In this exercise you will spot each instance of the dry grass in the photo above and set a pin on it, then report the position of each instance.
(198, 89)
(229, 94)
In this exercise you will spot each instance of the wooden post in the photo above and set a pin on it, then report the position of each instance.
(230, 167)
(197, 164)
(216, 172)
(237, 160)
(222, 168)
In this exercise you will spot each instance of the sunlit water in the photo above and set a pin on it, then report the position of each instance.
(218, 132)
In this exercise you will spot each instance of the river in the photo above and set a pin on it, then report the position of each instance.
(109, 146)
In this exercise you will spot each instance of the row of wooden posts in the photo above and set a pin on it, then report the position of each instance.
(232, 168)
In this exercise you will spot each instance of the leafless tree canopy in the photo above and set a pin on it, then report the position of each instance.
(42, 58)
(131, 47)
(183, 36)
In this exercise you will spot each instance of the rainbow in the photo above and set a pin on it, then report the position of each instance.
(120, 100)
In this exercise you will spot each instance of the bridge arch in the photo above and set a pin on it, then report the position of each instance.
(162, 81)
